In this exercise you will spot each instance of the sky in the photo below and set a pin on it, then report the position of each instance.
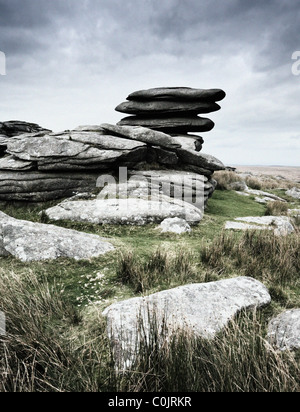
(71, 62)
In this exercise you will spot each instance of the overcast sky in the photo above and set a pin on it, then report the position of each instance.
(71, 62)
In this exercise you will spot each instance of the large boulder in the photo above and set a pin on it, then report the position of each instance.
(62, 152)
(284, 330)
(124, 211)
(30, 241)
(199, 309)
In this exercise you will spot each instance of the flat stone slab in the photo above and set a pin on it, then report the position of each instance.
(29, 241)
(178, 93)
(163, 106)
(200, 159)
(170, 124)
(284, 330)
(200, 309)
(143, 134)
(131, 211)
(11, 163)
(281, 225)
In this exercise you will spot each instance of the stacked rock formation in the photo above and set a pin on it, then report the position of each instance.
(38, 165)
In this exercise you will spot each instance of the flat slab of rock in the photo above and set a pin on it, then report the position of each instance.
(178, 93)
(143, 134)
(60, 152)
(164, 106)
(271, 196)
(30, 241)
(11, 163)
(169, 124)
(284, 330)
(131, 211)
(199, 309)
(203, 160)
(281, 225)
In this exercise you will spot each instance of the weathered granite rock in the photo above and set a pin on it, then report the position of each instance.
(130, 211)
(30, 241)
(142, 134)
(199, 309)
(157, 107)
(105, 141)
(281, 225)
(11, 129)
(40, 187)
(294, 192)
(284, 330)
(175, 225)
(178, 93)
(61, 152)
(169, 124)
(12, 163)
(17, 128)
(156, 154)
(200, 159)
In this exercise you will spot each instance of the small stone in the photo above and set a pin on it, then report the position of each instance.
(175, 225)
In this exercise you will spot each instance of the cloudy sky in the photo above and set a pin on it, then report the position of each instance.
(71, 62)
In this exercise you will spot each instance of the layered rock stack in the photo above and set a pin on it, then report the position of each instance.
(38, 165)
(171, 110)
(174, 111)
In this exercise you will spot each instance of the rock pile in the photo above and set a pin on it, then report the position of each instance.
(171, 110)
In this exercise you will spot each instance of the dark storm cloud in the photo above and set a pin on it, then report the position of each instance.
(138, 27)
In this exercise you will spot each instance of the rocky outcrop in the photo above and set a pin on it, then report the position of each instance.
(39, 165)
(30, 241)
(198, 309)
(15, 128)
